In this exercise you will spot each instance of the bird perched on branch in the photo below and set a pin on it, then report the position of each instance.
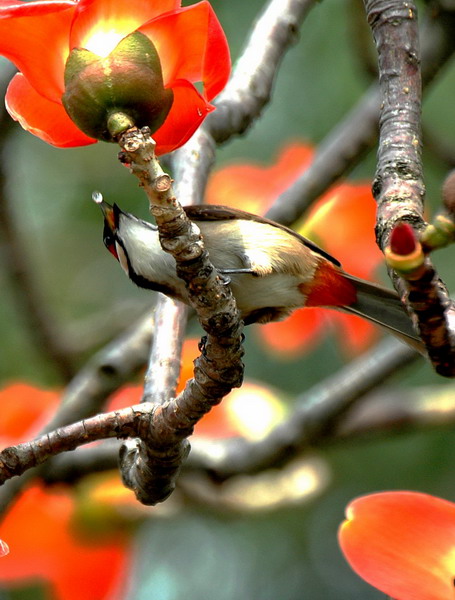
(272, 269)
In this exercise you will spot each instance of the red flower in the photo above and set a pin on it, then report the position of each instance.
(253, 187)
(403, 543)
(39, 37)
(341, 222)
(40, 528)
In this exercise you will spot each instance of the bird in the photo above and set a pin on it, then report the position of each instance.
(272, 270)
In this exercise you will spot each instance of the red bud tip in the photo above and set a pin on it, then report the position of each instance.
(403, 240)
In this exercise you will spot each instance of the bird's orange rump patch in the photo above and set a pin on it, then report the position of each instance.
(329, 288)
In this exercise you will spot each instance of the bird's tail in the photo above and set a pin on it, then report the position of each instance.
(384, 307)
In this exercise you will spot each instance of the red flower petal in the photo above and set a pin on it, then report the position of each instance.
(402, 543)
(121, 16)
(45, 119)
(202, 53)
(34, 36)
(16, 8)
(188, 111)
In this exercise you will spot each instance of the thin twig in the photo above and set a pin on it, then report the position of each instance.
(251, 84)
(128, 422)
(163, 370)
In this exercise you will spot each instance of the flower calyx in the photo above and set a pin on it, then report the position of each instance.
(105, 96)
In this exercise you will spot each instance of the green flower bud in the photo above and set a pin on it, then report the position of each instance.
(104, 96)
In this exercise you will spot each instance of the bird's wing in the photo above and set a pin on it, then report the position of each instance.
(214, 212)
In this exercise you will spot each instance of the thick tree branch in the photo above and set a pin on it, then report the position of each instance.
(398, 187)
(150, 466)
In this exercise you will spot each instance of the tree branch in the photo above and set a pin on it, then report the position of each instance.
(163, 369)
(398, 187)
(382, 412)
(150, 466)
(162, 428)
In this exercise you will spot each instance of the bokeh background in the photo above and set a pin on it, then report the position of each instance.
(197, 551)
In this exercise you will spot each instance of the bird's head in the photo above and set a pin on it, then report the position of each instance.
(136, 245)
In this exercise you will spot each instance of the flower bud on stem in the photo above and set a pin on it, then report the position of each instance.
(404, 253)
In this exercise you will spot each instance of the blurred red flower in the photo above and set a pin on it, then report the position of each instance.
(402, 543)
(342, 222)
(39, 36)
(40, 530)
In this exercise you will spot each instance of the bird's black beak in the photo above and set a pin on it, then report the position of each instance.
(110, 223)
(109, 212)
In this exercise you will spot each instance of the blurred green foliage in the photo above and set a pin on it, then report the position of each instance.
(288, 554)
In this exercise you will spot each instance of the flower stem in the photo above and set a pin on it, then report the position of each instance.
(118, 123)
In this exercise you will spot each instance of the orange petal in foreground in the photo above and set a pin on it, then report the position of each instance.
(402, 543)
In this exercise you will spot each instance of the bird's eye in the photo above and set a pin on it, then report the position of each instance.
(122, 258)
